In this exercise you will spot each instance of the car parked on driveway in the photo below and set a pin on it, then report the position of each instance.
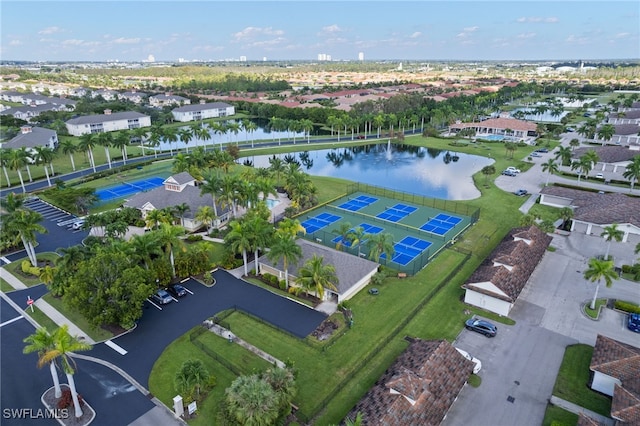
(535, 154)
(633, 322)
(161, 297)
(481, 326)
(509, 173)
(599, 176)
(512, 169)
(177, 290)
(520, 192)
(542, 150)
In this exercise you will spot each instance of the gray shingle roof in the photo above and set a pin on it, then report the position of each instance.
(349, 268)
(102, 118)
(182, 178)
(36, 108)
(608, 154)
(37, 137)
(201, 107)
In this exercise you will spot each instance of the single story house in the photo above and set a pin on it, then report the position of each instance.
(501, 277)
(32, 137)
(107, 94)
(26, 113)
(593, 211)
(612, 158)
(615, 371)
(419, 388)
(107, 122)
(159, 101)
(512, 127)
(135, 97)
(176, 190)
(353, 272)
(203, 111)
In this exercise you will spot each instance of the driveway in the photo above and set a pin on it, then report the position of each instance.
(158, 328)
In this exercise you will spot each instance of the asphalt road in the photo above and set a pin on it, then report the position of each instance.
(157, 329)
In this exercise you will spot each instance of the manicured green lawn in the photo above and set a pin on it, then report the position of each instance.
(593, 313)
(556, 416)
(5, 286)
(41, 318)
(97, 334)
(15, 268)
(573, 379)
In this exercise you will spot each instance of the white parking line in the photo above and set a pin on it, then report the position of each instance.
(188, 291)
(150, 301)
(11, 320)
(115, 347)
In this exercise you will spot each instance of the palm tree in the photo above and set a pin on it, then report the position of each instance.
(205, 214)
(316, 276)
(566, 214)
(170, 135)
(591, 157)
(380, 244)
(4, 161)
(488, 171)
(276, 165)
(343, 230)
(64, 345)
(212, 185)
(185, 135)
(192, 374)
(606, 132)
(282, 381)
(600, 270)
(155, 217)
(564, 155)
(121, 141)
(41, 341)
(583, 166)
(611, 233)
(181, 210)
(140, 133)
(261, 234)
(632, 171)
(290, 227)
(285, 248)
(26, 223)
(239, 240)
(358, 236)
(228, 192)
(87, 143)
(44, 155)
(252, 401)
(550, 166)
(105, 140)
(307, 126)
(169, 238)
(16, 161)
(26, 153)
(574, 143)
(146, 246)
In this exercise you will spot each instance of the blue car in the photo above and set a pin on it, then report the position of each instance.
(633, 323)
(481, 326)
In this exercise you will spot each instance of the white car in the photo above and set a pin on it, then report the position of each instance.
(78, 224)
(478, 365)
(512, 169)
(599, 176)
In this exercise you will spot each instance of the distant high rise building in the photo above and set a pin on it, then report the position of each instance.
(243, 59)
(361, 56)
(180, 60)
(324, 57)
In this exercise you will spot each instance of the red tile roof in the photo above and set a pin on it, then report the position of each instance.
(418, 388)
(499, 123)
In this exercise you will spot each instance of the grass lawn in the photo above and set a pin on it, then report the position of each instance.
(573, 379)
(41, 318)
(5, 286)
(559, 417)
(15, 268)
(593, 313)
(97, 334)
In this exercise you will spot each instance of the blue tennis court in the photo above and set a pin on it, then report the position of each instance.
(449, 219)
(408, 249)
(368, 229)
(358, 203)
(128, 188)
(397, 212)
(316, 223)
(441, 224)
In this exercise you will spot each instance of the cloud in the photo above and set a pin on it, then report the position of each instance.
(526, 35)
(574, 39)
(537, 19)
(622, 35)
(251, 33)
(471, 29)
(77, 42)
(50, 30)
(467, 31)
(330, 29)
(15, 43)
(415, 35)
(123, 40)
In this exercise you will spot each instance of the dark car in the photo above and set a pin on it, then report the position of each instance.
(521, 192)
(542, 150)
(509, 173)
(481, 326)
(633, 323)
(161, 297)
(177, 290)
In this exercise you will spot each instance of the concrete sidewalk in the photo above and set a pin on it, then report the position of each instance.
(570, 406)
(11, 279)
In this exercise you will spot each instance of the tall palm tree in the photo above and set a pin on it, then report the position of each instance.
(358, 237)
(185, 135)
(27, 223)
(229, 193)
(206, 215)
(44, 155)
(551, 167)
(64, 345)
(155, 217)
(632, 171)
(4, 161)
(564, 155)
(170, 135)
(26, 153)
(16, 160)
(276, 166)
(315, 276)
(68, 147)
(146, 246)
(583, 166)
(169, 238)
(290, 227)
(105, 139)
(379, 244)
(140, 133)
(261, 234)
(41, 341)
(488, 171)
(284, 247)
(574, 143)
(611, 233)
(87, 143)
(121, 141)
(344, 231)
(181, 210)
(239, 240)
(212, 185)
(600, 270)
(566, 214)
(606, 132)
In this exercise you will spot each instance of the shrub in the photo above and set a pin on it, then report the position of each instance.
(282, 284)
(28, 269)
(194, 238)
(627, 307)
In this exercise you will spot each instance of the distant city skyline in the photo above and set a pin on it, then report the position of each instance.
(302, 30)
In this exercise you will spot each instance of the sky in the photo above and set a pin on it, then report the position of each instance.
(300, 30)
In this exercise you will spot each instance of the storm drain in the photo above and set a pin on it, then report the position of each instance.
(511, 399)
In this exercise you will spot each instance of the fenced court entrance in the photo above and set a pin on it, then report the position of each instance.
(128, 188)
(421, 227)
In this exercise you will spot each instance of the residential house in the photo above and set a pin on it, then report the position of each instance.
(615, 371)
(353, 272)
(593, 211)
(159, 101)
(203, 111)
(107, 95)
(176, 190)
(32, 137)
(611, 158)
(107, 122)
(133, 96)
(419, 388)
(28, 112)
(12, 96)
(496, 284)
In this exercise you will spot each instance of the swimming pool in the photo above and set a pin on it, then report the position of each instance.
(491, 137)
(271, 203)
